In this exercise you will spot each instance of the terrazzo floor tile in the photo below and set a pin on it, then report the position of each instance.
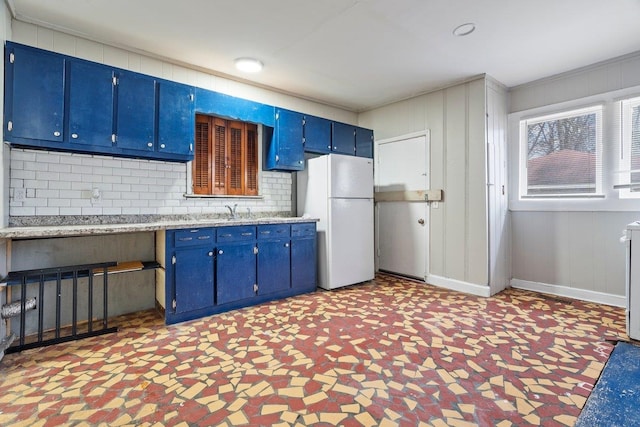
(390, 352)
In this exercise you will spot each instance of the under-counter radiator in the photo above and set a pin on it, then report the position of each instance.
(69, 282)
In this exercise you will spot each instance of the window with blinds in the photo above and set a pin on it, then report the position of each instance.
(562, 154)
(629, 168)
(226, 157)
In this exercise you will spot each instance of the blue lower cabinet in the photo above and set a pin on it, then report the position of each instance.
(274, 266)
(303, 257)
(209, 270)
(193, 279)
(235, 272)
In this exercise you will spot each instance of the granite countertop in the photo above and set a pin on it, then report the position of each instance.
(65, 228)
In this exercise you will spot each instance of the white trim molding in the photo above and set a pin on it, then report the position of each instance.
(565, 291)
(459, 285)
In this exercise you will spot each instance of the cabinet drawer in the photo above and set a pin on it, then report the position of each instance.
(235, 234)
(273, 231)
(303, 230)
(193, 236)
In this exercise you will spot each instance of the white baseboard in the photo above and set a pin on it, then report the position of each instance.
(459, 285)
(565, 291)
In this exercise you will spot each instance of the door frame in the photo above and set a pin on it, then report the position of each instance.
(424, 133)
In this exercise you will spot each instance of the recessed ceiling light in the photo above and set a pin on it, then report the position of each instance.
(464, 29)
(248, 65)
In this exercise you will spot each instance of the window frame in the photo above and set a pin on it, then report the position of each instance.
(523, 144)
(626, 132)
(226, 191)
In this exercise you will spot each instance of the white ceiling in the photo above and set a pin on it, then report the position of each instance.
(357, 54)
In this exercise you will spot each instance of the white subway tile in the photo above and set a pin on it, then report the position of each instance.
(70, 194)
(70, 211)
(111, 211)
(91, 211)
(80, 203)
(35, 184)
(47, 194)
(92, 161)
(130, 211)
(22, 210)
(121, 203)
(57, 167)
(58, 203)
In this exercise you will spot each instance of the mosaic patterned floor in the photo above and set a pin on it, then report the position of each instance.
(390, 353)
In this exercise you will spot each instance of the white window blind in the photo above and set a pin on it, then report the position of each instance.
(628, 174)
(561, 154)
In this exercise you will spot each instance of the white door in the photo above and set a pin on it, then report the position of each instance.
(402, 225)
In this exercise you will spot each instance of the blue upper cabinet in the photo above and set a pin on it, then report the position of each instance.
(364, 142)
(343, 138)
(230, 107)
(317, 135)
(176, 118)
(285, 149)
(135, 111)
(90, 106)
(34, 95)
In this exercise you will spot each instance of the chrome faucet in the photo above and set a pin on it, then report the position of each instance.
(232, 211)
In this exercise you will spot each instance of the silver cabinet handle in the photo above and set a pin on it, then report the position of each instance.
(210, 253)
(162, 145)
(220, 252)
(74, 135)
(286, 245)
(56, 133)
(149, 144)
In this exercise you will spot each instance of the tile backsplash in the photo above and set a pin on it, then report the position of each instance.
(44, 183)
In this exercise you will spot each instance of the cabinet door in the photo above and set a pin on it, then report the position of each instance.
(303, 263)
(91, 89)
(364, 143)
(235, 272)
(135, 111)
(193, 279)
(317, 135)
(343, 139)
(274, 266)
(286, 151)
(35, 94)
(176, 118)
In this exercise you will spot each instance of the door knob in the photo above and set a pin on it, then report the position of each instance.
(421, 221)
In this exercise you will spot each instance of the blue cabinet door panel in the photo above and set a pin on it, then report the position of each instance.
(343, 138)
(235, 272)
(194, 279)
(135, 111)
(285, 151)
(36, 94)
(364, 142)
(317, 135)
(91, 93)
(303, 263)
(176, 118)
(274, 266)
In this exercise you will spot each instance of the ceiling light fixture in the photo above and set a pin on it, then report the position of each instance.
(249, 65)
(464, 29)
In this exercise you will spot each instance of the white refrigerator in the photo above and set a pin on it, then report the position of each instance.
(338, 190)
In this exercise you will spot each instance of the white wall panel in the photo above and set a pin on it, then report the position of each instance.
(579, 250)
(456, 181)
(477, 222)
(616, 74)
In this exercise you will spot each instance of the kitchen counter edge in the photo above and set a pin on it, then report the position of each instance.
(98, 229)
